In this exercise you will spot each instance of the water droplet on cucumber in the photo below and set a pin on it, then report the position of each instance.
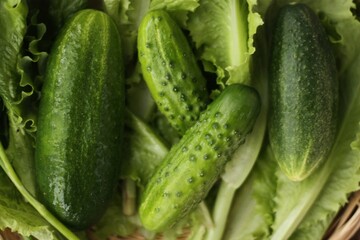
(167, 76)
(192, 158)
(183, 76)
(190, 180)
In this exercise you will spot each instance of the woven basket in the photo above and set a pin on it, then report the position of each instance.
(345, 226)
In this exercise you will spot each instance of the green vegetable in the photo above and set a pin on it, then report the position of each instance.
(13, 28)
(194, 164)
(267, 206)
(223, 31)
(16, 86)
(304, 92)
(170, 70)
(81, 120)
(283, 209)
(143, 152)
(127, 16)
(12, 206)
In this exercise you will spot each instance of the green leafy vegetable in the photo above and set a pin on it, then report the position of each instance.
(223, 32)
(179, 10)
(254, 201)
(144, 150)
(250, 219)
(127, 15)
(114, 222)
(13, 28)
(21, 152)
(19, 215)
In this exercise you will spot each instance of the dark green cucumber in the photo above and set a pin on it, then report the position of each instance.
(170, 70)
(194, 164)
(80, 124)
(304, 92)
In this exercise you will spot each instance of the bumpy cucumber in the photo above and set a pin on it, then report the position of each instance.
(194, 164)
(81, 120)
(304, 92)
(170, 70)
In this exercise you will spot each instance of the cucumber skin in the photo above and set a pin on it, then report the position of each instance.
(194, 164)
(304, 93)
(170, 70)
(81, 116)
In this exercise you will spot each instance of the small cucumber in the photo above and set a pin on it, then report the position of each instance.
(170, 70)
(304, 92)
(193, 165)
(81, 120)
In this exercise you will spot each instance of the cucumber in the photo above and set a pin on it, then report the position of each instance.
(193, 165)
(81, 117)
(170, 70)
(304, 92)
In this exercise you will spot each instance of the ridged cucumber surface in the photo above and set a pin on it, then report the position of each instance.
(80, 124)
(304, 92)
(194, 164)
(170, 70)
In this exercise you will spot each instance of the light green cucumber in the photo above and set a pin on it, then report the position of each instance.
(170, 70)
(80, 124)
(304, 92)
(193, 165)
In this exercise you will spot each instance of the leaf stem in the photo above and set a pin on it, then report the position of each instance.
(129, 197)
(221, 210)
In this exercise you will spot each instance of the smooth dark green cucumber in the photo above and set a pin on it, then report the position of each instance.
(80, 124)
(194, 164)
(170, 70)
(304, 92)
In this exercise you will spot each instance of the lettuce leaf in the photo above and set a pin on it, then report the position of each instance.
(114, 222)
(13, 28)
(250, 217)
(223, 32)
(19, 215)
(144, 150)
(127, 15)
(22, 129)
(178, 10)
(21, 151)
